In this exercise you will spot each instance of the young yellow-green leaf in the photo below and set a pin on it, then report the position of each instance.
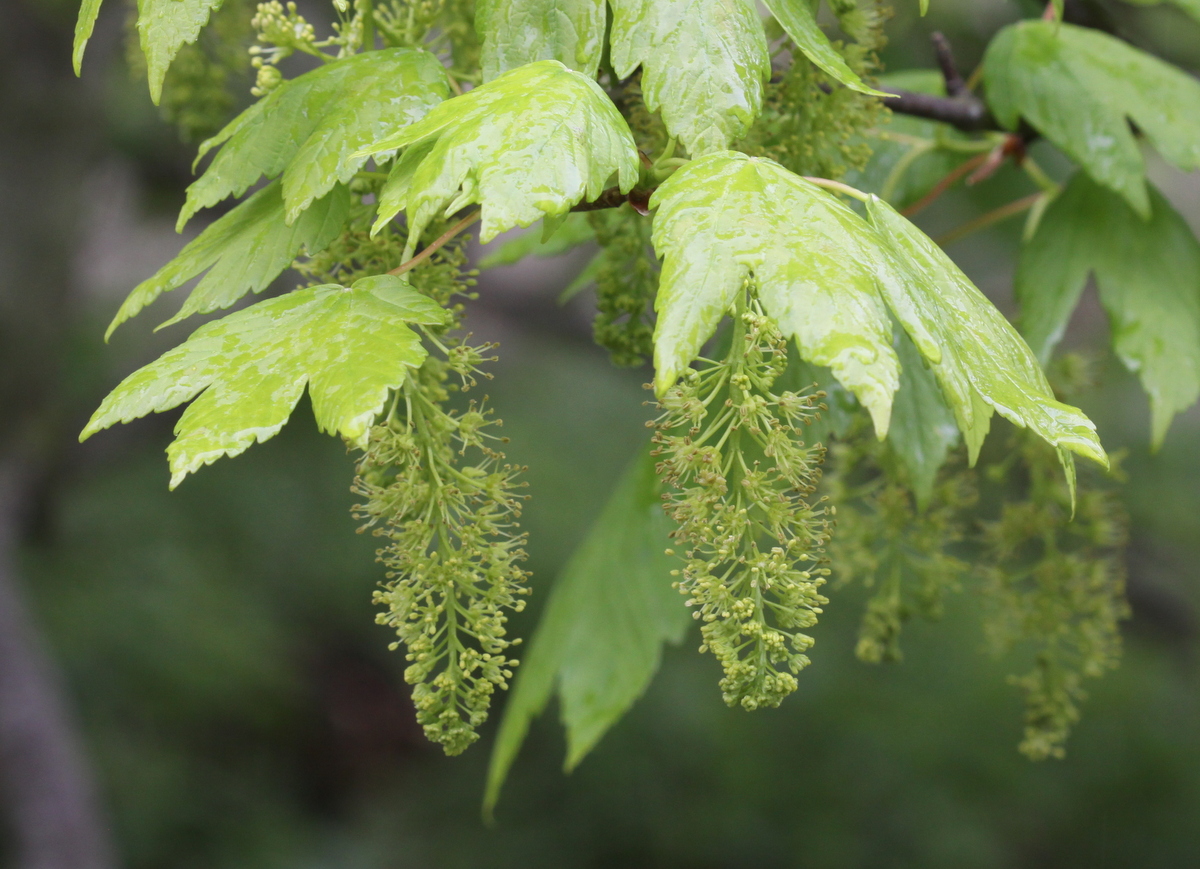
(517, 32)
(1148, 275)
(84, 25)
(311, 128)
(601, 636)
(704, 63)
(165, 26)
(797, 19)
(923, 428)
(350, 346)
(244, 251)
(532, 143)
(727, 217)
(978, 358)
(1078, 87)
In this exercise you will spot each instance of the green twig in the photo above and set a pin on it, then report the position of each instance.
(436, 245)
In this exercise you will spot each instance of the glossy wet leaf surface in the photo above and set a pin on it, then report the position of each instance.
(727, 217)
(517, 32)
(600, 639)
(310, 129)
(979, 360)
(1080, 88)
(797, 19)
(704, 63)
(244, 251)
(1148, 276)
(349, 346)
(530, 144)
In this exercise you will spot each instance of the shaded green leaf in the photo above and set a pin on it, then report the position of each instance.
(979, 360)
(1148, 275)
(350, 346)
(704, 63)
(532, 143)
(311, 128)
(575, 231)
(517, 32)
(244, 251)
(727, 217)
(600, 639)
(1078, 87)
(797, 19)
(923, 429)
(1191, 7)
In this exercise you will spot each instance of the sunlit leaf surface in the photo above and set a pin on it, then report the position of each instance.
(979, 360)
(311, 128)
(532, 143)
(727, 218)
(350, 346)
(243, 250)
(517, 32)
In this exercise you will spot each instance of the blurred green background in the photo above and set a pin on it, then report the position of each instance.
(239, 706)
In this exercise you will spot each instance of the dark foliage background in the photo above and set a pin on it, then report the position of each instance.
(238, 706)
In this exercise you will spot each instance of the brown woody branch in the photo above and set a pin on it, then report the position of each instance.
(959, 108)
(966, 112)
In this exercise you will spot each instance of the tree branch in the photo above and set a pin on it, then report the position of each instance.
(955, 86)
(966, 112)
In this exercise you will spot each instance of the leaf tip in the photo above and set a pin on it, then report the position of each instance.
(663, 381)
(156, 77)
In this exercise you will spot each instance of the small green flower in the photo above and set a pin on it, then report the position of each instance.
(743, 479)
